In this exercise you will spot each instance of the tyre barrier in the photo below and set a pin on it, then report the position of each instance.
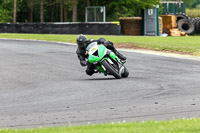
(62, 28)
(182, 16)
(196, 21)
(186, 26)
(197, 26)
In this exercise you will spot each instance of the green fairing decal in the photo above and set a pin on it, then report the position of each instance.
(113, 56)
(101, 69)
(92, 58)
(101, 51)
(103, 59)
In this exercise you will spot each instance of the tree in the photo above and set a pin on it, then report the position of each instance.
(6, 11)
(123, 8)
(42, 11)
(87, 2)
(30, 10)
(191, 3)
(68, 10)
(65, 11)
(50, 10)
(61, 11)
(74, 14)
(15, 11)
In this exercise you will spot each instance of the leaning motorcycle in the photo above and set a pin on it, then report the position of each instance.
(106, 61)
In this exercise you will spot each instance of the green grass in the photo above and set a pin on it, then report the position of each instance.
(193, 13)
(190, 45)
(175, 126)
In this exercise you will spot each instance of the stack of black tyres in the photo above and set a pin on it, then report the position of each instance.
(182, 16)
(186, 24)
(196, 22)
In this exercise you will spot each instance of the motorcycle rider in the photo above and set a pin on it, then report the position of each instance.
(82, 43)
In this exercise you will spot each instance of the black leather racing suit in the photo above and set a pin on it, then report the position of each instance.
(82, 56)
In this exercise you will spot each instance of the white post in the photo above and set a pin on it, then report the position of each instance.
(104, 14)
(86, 17)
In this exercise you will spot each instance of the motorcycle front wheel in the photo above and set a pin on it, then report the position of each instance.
(111, 69)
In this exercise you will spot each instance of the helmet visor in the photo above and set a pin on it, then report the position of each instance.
(80, 44)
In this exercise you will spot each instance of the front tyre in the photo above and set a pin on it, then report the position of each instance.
(111, 69)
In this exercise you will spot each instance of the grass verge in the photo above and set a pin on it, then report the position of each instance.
(193, 13)
(175, 126)
(184, 45)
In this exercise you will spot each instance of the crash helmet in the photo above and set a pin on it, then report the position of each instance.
(81, 40)
(101, 40)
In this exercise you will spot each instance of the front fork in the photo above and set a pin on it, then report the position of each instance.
(115, 58)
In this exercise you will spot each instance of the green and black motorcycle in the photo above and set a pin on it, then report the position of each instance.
(105, 61)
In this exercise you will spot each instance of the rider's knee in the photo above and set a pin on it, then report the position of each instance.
(89, 72)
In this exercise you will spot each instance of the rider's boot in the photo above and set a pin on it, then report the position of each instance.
(90, 69)
(110, 46)
(122, 57)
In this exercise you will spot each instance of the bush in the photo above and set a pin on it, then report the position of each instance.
(193, 13)
(5, 16)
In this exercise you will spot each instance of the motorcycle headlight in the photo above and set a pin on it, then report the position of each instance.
(95, 63)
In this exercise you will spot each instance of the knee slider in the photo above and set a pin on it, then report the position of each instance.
(89, 72)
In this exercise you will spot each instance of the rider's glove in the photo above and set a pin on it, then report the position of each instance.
(109, 43)
(83, 63)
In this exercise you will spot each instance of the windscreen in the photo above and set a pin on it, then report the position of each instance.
(91, 45)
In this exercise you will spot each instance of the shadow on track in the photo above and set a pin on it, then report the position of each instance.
(110, 78)
(102, 79)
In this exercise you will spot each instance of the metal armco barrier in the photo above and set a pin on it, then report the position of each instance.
(62, 28)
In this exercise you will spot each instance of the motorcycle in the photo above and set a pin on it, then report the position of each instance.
(106, 61)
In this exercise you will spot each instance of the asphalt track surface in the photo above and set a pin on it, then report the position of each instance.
(43, 84)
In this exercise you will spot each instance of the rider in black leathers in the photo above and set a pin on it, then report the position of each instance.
(81, 51)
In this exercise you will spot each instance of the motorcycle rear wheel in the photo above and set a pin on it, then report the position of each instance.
(126, 73)
(111, 69)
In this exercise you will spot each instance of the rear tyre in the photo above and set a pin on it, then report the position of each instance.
(195, 21)
(181, 16)
(126, 73)
(186, 26)
(197, 26)
(111, 69)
